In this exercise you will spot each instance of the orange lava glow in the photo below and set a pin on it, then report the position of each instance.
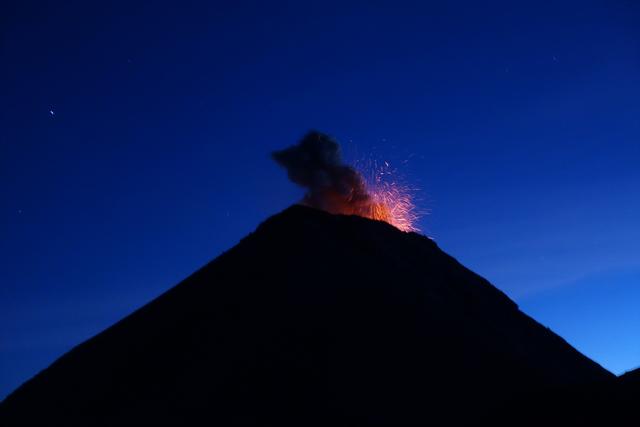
(391, 201)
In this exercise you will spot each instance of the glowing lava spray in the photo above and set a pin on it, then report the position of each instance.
(316, 164)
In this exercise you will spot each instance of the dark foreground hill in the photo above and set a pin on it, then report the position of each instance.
(317, 319)
(632, 377)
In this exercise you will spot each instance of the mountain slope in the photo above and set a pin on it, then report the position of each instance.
(313, 318)
(631, 377)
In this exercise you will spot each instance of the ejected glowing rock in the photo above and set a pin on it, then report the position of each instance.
(316, 164)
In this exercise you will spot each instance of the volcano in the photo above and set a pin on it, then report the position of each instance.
(315, 319)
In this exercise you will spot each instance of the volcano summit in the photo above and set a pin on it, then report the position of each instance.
(314, 318)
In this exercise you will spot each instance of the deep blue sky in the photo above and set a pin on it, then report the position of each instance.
(520, 121)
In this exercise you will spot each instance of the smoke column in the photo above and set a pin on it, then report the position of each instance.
(315, 163)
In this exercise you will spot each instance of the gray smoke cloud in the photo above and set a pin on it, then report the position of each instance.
(316, 164)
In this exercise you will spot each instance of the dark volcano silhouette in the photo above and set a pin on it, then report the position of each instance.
(315, 319)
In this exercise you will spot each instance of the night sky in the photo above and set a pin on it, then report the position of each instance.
(135, 142)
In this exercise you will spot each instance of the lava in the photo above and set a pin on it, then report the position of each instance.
(374, 192)
(391, 200)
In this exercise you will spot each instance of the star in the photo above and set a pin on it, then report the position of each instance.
(52, 113)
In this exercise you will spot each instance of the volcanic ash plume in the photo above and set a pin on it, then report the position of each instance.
(315, 163)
